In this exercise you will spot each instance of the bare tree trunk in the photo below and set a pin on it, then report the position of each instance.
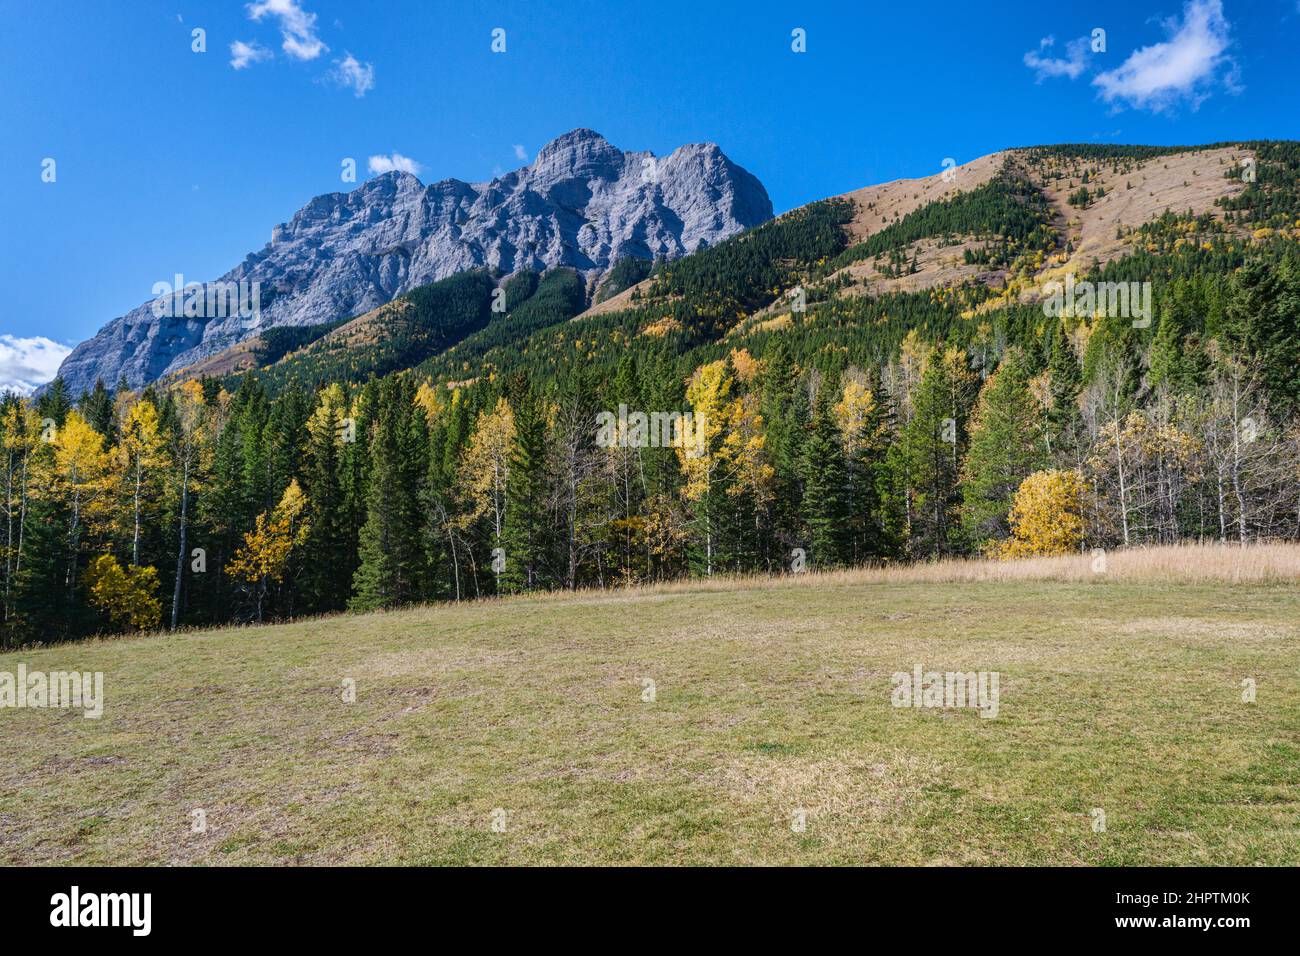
(184, 542)
(9, 534)
(22, 518)
(1123, 488)
(1223, 502)
(455, 558)
(135, 538)
(572, 574)
(1236, 463)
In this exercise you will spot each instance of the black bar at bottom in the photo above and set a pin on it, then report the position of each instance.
(945, 905)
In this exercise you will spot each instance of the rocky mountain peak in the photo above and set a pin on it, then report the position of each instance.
(581, 202)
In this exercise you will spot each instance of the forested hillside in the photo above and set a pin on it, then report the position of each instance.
(438, 449)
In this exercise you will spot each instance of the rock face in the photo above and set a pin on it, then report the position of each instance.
(581, 203)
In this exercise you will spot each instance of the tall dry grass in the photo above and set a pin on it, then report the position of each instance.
(1204, 563)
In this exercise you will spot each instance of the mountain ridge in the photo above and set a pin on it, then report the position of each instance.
(581, 203)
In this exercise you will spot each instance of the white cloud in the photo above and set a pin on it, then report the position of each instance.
(351, 72)
(386, 164)
(521, 153)
(245, 54)
(1184, 67)
(1072, 66)
(27, 363)
(297, 27)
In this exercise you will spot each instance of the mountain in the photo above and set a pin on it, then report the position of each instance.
(965, 255)
(1131, 188)
(994, 231)
(581, 203)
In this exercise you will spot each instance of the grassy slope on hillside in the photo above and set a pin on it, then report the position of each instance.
(770, 697)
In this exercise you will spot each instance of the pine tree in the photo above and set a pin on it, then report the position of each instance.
(444, 543)
(54, 403)
(933, 444)
(97, 408)
(787, 418)
(826, 505)
(1176, 360)
(328, 572)
(523, 535)
(1065, 380)
(1263, 319)
(1006, 446)
(864, 426)
(391, 571)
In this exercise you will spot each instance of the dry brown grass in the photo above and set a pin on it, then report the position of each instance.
(1184, 181)
(1209, 563)
(875, 207)
(1205, 563)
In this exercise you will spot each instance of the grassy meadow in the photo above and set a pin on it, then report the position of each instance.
(524, 731)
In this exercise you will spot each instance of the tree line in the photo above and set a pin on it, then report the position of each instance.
(196, 504)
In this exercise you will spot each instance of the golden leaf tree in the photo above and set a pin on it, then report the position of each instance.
(264, 556)
(142, 455)
(485, 467)
(702, 457)
(1046, 515)
(83, 478)
(127, 596)
(330, 419)
(858, 415)
(744, 452)
(189, 451)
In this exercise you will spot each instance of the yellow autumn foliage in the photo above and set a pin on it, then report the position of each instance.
(1046, 515)
(265, 552)
(125, 595)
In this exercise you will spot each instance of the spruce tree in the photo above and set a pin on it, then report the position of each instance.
(933, 445)
(391, 571)
(523, 536)
(825, 492)
(327, 544)
(1264, 322)
(97, 408)
(1006, 446)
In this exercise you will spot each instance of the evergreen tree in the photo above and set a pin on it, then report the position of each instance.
(523, 536)
(932, 447)
(97, 408)
(391, 571)
(786, 416)
(1263, 319)
(825, 495)
(1006, 446)
(327, 575)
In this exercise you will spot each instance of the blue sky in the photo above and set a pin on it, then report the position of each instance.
(168, 160)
